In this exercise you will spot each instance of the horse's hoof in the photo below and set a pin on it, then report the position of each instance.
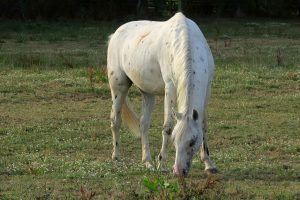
(115, 157)
(164, 170)
(213, 170)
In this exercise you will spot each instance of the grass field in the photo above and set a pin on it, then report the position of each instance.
(55, 139)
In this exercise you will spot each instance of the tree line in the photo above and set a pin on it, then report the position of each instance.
(118, 9)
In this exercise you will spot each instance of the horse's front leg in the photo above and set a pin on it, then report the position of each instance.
(169, 102)
(147, 108)
(209, 165)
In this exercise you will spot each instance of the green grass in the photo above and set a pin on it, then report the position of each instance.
(55, 139)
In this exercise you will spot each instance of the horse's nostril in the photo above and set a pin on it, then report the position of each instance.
(184, 172)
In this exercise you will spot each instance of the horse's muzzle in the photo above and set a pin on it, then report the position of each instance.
(181, 172)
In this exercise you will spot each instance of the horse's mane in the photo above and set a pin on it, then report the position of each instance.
(183, 63)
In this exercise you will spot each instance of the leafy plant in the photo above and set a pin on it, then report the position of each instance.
(160, 187)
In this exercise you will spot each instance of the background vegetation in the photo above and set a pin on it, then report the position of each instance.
(120, 9)
(55, 139)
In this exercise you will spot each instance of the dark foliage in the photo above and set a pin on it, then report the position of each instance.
(120, 9)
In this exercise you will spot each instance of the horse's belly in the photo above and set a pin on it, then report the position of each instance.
(148, 79)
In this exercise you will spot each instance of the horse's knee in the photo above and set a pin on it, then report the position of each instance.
(167, 130)
(144, 124)
(115, 122)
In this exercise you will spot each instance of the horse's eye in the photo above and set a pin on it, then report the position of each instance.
(192, 142)
(195, 115)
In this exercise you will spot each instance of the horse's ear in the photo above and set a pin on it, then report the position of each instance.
(177, 115)
(195, 115)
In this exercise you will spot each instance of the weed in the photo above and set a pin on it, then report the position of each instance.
(45, 194)
(66, 61)
(27, 60)
(103, 75)
(85, 194)
(92, 78)
(293, 76)
(279, 57)
(160, 188)
(198, 190)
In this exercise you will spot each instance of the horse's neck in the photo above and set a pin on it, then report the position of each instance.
(191, 89)
(191, 86)
(186, 95)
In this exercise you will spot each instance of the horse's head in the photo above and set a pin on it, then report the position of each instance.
(188, 137)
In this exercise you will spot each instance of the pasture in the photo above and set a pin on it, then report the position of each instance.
(55, 138)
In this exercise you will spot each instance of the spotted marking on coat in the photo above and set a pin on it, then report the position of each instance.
(111, 73)
(168, 131)
(116, 96)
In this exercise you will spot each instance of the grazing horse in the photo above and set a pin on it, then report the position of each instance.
(170, 58)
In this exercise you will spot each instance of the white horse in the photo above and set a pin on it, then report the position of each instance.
(173, 59)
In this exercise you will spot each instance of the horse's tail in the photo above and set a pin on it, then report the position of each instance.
(130, 118)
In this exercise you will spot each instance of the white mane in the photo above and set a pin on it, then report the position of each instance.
(185, 64)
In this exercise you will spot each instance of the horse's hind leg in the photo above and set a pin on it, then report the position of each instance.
(147, 108)
(119, 85)
(209, 165)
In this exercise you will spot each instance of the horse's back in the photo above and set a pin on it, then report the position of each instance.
(146, 50)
